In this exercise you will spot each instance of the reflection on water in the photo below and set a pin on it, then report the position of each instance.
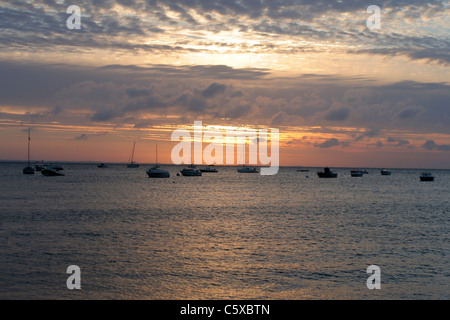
(224, 235)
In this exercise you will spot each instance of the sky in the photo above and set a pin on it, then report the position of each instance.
(340, 93)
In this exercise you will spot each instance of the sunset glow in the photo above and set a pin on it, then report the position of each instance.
(339, 93)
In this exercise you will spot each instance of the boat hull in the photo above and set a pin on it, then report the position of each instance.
(326, 175)
(191, 173)
(356, 173)
(158, 175)
(28, 170)
(426, 178)
(51, 173)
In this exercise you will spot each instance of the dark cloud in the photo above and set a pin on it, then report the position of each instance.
(431, 145)
(328, 143)
(40, 25)
(408, 113)
(214, 89)
(338, 115)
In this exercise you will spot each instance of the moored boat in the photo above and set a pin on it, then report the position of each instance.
(191, 171)
(426, 176)
(51, 172)
(356, 173)
(209, 169)
(327, 173)
(246, 169)
(157, 172)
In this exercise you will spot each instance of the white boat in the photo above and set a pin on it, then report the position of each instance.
(209, 169)
(132, 164)
(426, 176)
(156, 171)
(246, 169)
(191, 171)
(384, 172)
(28, 169)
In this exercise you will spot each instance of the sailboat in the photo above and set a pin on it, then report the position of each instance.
(28, 169)
(156, 171)
(133, 164)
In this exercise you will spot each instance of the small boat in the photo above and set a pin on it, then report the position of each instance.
(102, 165)
(156, 171)
(426, 176)
(246, 169)
(302, 170)
(132, 164)
(51, 172)
(39, 166)
(28, 169)
(384, 172)
(210, 169)
(327, 173)
(191, 171)
(356, 173)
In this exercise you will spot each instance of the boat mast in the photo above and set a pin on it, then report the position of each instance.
(29, 147)
(132, 153)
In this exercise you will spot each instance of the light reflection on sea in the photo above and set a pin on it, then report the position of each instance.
(223, 236)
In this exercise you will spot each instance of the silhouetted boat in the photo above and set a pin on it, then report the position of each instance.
(209, 169)
(327, 173)
(102, 165)
(384, 172)
(426, 176)
(132, 164)
(246, 169)
(356, 173)
(156, 171)
(39, 166)
(28, 169)
(51, 172)
(191, 171)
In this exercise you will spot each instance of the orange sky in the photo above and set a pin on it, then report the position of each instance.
(339, 93)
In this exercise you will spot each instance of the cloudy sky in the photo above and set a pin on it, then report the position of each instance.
(340, 93)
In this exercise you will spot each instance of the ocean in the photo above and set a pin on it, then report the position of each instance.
(225, 235)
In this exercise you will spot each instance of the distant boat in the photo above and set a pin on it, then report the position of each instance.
(426, 176)
(356, 173)
(156, 171)
(246, 169)
(327, 173)
(50, 171)
(302, 170)
(28, 169)
(132, 164)
(209, 169)
(384, 172)
(39, 166)
(191, 171)
(102, 165)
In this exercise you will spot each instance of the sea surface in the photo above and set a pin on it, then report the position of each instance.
(224, 235)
